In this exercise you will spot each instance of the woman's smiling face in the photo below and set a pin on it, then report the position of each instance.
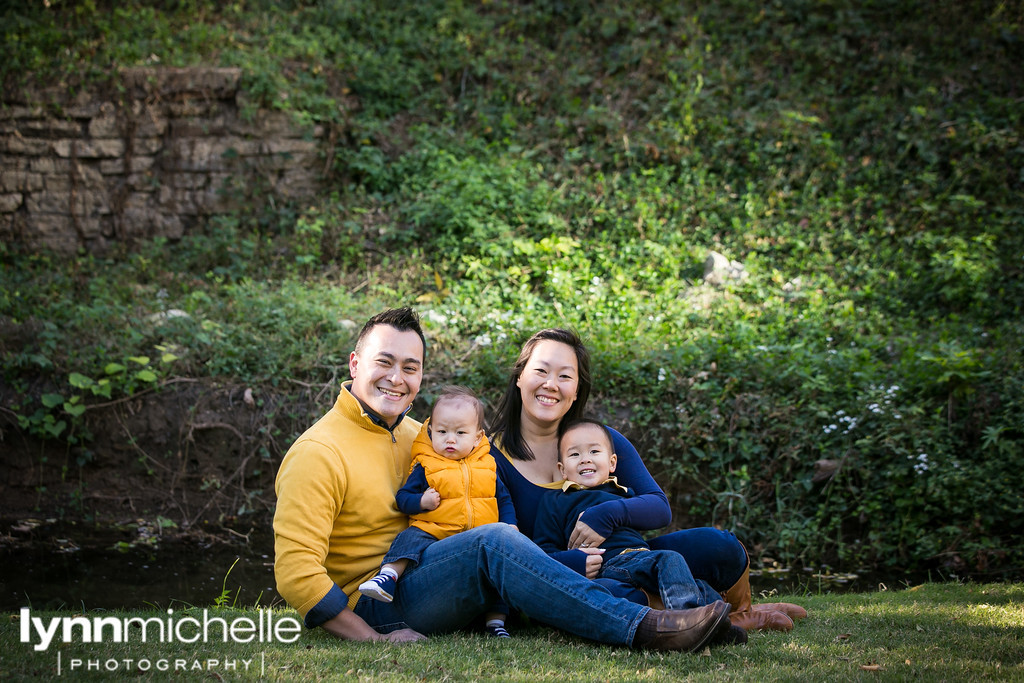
(549, 382)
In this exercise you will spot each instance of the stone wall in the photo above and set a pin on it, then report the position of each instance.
(170, 147)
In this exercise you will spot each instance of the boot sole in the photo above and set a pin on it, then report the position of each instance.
(720, 625)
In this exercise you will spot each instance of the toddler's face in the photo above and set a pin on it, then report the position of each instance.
(586, 455)
(454, 432)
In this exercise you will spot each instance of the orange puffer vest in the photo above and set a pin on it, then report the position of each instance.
(466, 487)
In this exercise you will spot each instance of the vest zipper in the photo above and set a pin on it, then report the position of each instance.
(467, 477)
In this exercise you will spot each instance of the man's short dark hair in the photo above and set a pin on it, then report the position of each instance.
(403, 319)
(566, 427)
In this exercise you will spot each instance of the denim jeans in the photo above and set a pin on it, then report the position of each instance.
(409, 545)
(661, 571)
(713, 555)
(459, 577)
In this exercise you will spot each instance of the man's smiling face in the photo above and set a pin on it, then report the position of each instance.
(387, 370)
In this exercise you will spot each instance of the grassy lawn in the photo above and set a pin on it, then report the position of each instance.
(934, 631)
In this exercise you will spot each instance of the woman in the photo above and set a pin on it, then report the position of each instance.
(551, 382)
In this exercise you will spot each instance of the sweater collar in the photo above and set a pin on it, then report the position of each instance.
(373, 416)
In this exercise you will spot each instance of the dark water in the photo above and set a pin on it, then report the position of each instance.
(53, 566)
(47, 565)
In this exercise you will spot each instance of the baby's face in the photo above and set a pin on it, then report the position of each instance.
(586, 455)
(454, 432)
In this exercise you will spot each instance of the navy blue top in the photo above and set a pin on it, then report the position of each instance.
(409, 496)
(557, 515)
(648, 509)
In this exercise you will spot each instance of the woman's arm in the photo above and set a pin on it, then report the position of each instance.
(647, 509)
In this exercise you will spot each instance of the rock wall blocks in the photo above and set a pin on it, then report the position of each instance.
(10, 202)
(82, 171)
(137, 164)
(20, 181)
(89, 149)
(15, 144)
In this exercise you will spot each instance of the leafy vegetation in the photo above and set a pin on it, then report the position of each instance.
(857, 399)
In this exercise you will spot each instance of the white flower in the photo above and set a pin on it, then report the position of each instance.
(661, 374)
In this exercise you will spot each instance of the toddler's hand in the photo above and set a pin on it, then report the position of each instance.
(594, 561)
(430, 500)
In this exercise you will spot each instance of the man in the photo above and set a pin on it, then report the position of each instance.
(336, 517)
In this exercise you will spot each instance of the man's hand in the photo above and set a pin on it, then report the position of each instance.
(402, 635)
(430, 500)
(583, 536)
(594, 561)
(349, 626)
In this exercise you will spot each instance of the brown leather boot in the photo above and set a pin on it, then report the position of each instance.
(683, 629)
(746, 616)
(792, 611)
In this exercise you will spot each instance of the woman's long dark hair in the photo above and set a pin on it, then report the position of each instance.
(507, 421)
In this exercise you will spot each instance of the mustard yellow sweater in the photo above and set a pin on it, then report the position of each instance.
(336, 513)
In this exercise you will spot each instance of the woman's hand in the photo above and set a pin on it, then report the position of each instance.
(430, 500)
(594, 561)
(583, 537)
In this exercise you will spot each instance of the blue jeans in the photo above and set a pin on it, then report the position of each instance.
(713, 555)
(409, 545)
(661, 571)
(461, 576)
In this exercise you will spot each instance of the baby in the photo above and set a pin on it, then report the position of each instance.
(452, 486)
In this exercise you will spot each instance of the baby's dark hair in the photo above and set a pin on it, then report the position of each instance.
(568, 426)
(451, 392)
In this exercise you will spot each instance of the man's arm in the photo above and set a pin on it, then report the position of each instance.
(310, 487)
(350, 626)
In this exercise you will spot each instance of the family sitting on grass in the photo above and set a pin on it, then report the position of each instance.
(348, 560)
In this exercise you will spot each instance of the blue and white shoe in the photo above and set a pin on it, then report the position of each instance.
(381, 587)
(496, 631)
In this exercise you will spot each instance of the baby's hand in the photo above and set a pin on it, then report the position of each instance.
(430, 499)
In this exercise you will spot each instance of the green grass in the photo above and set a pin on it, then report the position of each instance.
(934, 631)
